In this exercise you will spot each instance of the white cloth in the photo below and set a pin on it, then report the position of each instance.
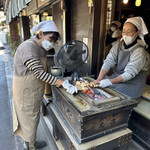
(104, 83)
(69, 87)
(44, 26)
(140, 24)
(117, 23)
(116, 33)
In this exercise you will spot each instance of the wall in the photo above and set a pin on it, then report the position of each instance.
(57, 18)
(79, 19)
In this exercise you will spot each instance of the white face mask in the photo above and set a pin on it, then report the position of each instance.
(113, 29)
(47, 45)
(129, 39)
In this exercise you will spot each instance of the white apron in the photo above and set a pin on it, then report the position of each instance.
(27, 98)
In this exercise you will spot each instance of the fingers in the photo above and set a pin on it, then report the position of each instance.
(72, 90)
(96, 81)
(105, 83)
(76, 90)
(69, 87)
(101, 85)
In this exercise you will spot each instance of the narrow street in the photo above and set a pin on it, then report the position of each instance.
(7, 139)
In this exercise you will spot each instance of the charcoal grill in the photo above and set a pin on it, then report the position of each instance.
(88, 118)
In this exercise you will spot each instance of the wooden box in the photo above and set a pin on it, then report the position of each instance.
(61, 131)
(88, 120)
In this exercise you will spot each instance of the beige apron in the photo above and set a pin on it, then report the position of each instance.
(27, 98)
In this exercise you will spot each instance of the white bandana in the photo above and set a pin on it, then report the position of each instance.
(140, 24)
(117, 23)
(44, 26)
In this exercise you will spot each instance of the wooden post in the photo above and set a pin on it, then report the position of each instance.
(99, 27)
(96, 31)
(48, 91)
(14, 32)
(26, 28)
(102, 34)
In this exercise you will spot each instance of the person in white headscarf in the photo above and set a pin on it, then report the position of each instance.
(113, 36)
(115, 25)
(29, 79)
(115, 33)
(131, 61)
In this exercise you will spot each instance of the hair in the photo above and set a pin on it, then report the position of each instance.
(136, 28)
(54, 37)
(113, 24)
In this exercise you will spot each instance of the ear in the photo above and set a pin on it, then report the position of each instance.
(41, 34)
(139, 31)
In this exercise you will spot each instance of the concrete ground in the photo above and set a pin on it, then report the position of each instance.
(9, 141)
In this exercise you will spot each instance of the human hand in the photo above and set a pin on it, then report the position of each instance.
(104, 83)
(69, 87)
(96, 81)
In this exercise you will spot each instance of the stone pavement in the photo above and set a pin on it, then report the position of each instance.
(7, 140)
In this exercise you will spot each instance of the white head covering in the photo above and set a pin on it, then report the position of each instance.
(140, 24)
(117, 23)
(44, 26)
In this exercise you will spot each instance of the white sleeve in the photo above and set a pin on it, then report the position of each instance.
(135, 65)
(111, 58)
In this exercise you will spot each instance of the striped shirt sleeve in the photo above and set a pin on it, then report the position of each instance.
(38, 70)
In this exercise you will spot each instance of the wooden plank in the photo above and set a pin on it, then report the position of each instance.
(112, 140)
(41, 3)
(32, 7)
(79, 22)
(100, 10)
(14, 34)
(26, 28)
(57, 17)
(68, 20)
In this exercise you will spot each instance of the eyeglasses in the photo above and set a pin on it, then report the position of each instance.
(53, 38)
(128, 32)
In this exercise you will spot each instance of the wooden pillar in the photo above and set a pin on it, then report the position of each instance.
(26, 28)
(68, 20)
(96, 31)
(14, 32)
(102, 34)
(99, 27)
(21, 29)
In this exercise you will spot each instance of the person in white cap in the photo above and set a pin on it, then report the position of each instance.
(131, 61)
(116, 35)
(29, 79)
(113, 36)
